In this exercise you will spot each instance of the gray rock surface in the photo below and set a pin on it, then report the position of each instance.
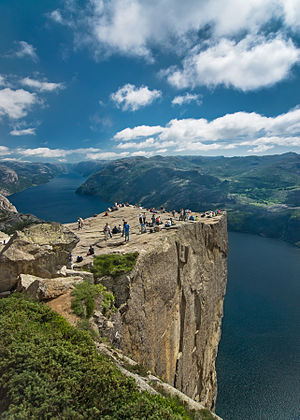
(171, 322)
(40, 250)
(45, 289)
(5, 204)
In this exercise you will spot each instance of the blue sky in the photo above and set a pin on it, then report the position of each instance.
(103, 79)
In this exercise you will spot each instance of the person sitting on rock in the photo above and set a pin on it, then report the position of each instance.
(192, 218)
(115, 230)
(120, 229)
(91, 251)
(168, 223)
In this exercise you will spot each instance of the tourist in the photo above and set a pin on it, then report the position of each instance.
(126, 230)
(192, 218)
(91, 251)
(107, 231)
(71, 261)
(173, 213)
(144, 218)
(120, 229)
(123, 231)
(168, 223)
(143, 228)
(140, 218)
(115, 230)
(80, 223)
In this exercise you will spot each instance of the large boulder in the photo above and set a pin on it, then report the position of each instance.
(46, 289)
(40, 249)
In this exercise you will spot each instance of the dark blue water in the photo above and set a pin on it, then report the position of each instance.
(58, 201)
(258, 364)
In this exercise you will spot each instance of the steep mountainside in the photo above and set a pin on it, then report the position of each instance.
(261, 194)
(17, 176)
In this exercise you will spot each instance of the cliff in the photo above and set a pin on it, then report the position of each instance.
(171, 304)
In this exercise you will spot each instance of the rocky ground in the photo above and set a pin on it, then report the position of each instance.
(92, 232)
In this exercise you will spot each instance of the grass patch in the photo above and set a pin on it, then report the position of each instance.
(114, 264)
(51, 370)
(84, 299)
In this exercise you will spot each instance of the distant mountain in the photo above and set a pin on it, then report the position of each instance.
(261, 194)
(88, 167)
(16, 176)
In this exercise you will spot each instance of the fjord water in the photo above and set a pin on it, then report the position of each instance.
(58, 201)
(258, 364)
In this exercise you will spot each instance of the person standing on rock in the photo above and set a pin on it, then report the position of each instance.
(140, 218)
(107, 231)
(126, 230)
(80, 223)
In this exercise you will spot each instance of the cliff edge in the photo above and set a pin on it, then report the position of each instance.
(170, 306)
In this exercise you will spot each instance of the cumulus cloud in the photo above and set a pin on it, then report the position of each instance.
(251, 63)
(41, 86)
(247, 131)
(130, 97)
(46, 152)
(43, 152)
(26, 50)
(106, 155)
(137, 132)
(134, 27)
(186, 99)
(16, 103)
(2, 80)
(23, 132)
(4, 151)
(56, 16)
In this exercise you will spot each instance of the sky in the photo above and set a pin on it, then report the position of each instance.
(106, 79)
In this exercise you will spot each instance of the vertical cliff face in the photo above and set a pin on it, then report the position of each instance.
(171, 320)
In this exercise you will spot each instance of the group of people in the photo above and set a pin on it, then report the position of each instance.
(124, 231)
(153, 224)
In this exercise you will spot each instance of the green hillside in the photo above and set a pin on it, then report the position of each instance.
(261, 194)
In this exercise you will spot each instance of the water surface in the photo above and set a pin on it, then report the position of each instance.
(58, 201)
(258, 363)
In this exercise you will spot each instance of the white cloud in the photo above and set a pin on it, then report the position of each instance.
(132, 145)
(56, 16)
(106, 155)
(292, 14)
(2, 80)
(260, 149)
(16, 103)
(26, 50)
(237, 130)
(4, 151)
(186, 99)
(136, 132)
(249, 64)
(141, 153)
(46, 152)
(23, 132)
(43, 152)
(40, 85)
(130, 97)
(134, 27)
